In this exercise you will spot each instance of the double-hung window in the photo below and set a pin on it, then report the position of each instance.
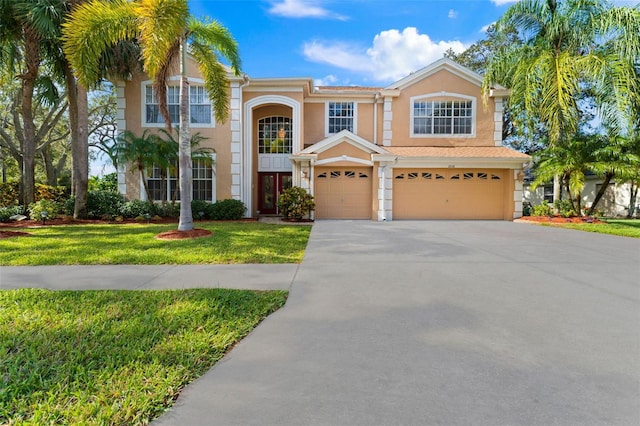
(341, 116)
(200, 113)
(442, 117)
(163, 183)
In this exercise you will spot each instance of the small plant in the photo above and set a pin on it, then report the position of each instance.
(295, 203)
(564, 208)
(7, 212)
(544, 209)
(9, 194)
(227, 210)
(44, 208)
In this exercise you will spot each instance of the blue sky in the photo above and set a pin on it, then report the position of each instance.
(348, 42)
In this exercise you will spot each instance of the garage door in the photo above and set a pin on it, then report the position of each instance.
(448, 194)
(343, 193)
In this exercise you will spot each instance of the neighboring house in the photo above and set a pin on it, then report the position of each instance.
(425, 147)
(615, 201)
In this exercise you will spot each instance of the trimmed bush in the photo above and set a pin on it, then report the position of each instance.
(52, 209)
(135, 208)
(227, 210)
(7, 212)
(544, 209)
(198, 206)
(99, 204)
(168, 210)
(295, 203)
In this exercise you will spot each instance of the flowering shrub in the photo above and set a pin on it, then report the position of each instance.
(295, 203)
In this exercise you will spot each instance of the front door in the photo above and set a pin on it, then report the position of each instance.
(270, 185)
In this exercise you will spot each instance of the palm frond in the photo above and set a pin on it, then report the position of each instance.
(92, 29)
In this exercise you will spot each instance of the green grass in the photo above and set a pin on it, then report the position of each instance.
(231, 242)
(114, 357)
(620, 227)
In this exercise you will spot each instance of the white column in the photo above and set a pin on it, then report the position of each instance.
(497, 122)
(518, 194)
(121, 126)
(236, 142)
(387, 118)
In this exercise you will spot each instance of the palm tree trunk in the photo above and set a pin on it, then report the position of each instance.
(184, 153)
(633, 196)
(32, 60)
(81, 159)
(605, 184)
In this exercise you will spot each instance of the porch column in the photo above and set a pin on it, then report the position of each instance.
(236, 142)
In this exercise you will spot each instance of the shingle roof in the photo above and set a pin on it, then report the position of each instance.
(463, 151)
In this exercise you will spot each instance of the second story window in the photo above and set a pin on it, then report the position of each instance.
(274, 135)
(442, 117)
(341, 116)
(199, 102)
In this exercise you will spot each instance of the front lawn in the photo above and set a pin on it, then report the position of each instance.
(231, 242)
(621, 227)
(114, 357)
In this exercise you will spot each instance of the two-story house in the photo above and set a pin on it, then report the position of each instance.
(425, 147)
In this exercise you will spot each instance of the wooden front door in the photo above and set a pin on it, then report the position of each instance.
(270, 185)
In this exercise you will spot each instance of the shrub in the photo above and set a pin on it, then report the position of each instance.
(135, 208)
(52, 209)
(564, 208)
(168, 210)
(544, 209)
(99, 204)
(9, 194)
(227, 210)
(295, 203)
(105, 183)
(55, 193)
(7, 212)
(198, 206)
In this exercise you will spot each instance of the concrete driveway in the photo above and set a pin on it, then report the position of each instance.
(440, 323)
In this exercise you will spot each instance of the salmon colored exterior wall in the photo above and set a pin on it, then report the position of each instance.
(287, 97)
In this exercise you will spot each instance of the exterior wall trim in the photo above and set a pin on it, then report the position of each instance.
(343, 158)
(246, 182)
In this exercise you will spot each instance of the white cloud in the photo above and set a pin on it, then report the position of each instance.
(328, 80)
(503, 2)
(486, 27)
(452, 14)
(302, 9)
(393, 55)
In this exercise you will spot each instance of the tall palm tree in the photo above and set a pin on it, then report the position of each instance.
(568, 46)
(165, 32)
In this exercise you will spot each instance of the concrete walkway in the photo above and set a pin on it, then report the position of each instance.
(435, 322)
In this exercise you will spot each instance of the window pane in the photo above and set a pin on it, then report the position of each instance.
(201, 114)
(341, 115)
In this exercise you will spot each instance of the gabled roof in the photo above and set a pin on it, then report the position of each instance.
(441, 64)
(338, 138)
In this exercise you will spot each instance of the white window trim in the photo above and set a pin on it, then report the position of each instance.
(175, 78)
(449, 96)
(326, 116)
(213, 156)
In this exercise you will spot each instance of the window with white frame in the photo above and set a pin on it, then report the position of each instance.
(200, 106)
(341, 116)
(442, 117)
(274, 135)
(163, 183)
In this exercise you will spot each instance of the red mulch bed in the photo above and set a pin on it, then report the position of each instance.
(181, 235)
(11, 234)
(560, 219)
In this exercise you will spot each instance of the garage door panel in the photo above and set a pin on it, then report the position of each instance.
(343, 192)
(448, 194)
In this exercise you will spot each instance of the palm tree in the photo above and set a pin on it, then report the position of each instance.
(568, 46)
(165, 32)
(140, 151)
